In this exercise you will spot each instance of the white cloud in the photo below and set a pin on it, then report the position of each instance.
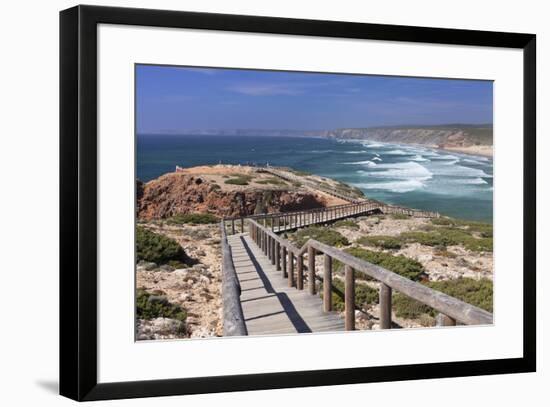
(266, 89)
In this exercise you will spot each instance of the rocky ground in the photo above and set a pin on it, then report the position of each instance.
(196, 288)
(453, 263)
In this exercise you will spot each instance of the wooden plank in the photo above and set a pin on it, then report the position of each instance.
(300, 272)
(327, 283)
(444, 320)
(290, 269)
(311, 270)
(385, 306)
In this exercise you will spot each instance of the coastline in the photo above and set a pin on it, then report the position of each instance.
(480, 151)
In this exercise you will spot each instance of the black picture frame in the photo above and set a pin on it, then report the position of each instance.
(78, 196)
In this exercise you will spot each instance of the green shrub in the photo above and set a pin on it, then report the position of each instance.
(364, 294)
(193, 218)
(300, 173)
(475, 292)
(481, 228)
(237, 181)
(445, 236)
(155, 306)
(322, 234)
(346, 223)
(157, 248)
(399, 216)
(401, 265)
(484, 244)
(384, 242)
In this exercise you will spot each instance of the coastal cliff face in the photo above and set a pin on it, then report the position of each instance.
(180, 193)
(440, 136)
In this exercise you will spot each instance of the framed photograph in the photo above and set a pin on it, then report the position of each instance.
(256, 202)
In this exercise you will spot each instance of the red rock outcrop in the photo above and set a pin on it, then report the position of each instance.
(176, 193)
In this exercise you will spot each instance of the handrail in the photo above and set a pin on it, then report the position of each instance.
(299, 216)
(233, 318)
(451, 309)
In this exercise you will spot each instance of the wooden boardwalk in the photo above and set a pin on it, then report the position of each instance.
(269, 305)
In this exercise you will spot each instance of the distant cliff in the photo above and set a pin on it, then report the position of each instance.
(438, 136)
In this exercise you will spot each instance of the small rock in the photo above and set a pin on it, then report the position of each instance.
(146, 265)
(167, 268)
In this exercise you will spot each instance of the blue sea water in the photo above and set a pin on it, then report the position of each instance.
(453, 184)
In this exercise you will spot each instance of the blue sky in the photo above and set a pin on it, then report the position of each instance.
(169, 99)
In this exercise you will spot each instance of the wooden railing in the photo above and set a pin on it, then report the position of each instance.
(290, 261)
(233, 319)
(281, 221)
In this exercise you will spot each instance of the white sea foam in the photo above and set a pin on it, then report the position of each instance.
(401, 177)
(397, 152)
(367, 163)
(445, 157)
(354, 152)
(373, 145)
(419, 158)
(403, 170)
(393, 186)
(475, 161)
(377, 158)
(467, 181)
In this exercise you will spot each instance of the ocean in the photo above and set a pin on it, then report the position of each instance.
(453, 184)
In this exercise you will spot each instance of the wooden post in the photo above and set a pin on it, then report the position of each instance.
(242, 225)
(278, 256)
(444, 320)
(327, 283)
(232, 226)
(349, 298)
(385, 306)
(290, 269)
(311, 269)
(300, 272)
(285, 274)
(273, 251)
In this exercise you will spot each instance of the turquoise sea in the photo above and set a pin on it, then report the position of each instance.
(453, 184)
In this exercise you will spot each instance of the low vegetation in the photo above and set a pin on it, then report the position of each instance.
(156, 248)
(399, 216)
(324, 235)
(383, 242)
(299, 172)
(475, 292)
(149, 306)
(481, 228)
(364, 295)
(239, 179)
(401, 265)
(445, 236)
(193, 219)
(346, 223)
